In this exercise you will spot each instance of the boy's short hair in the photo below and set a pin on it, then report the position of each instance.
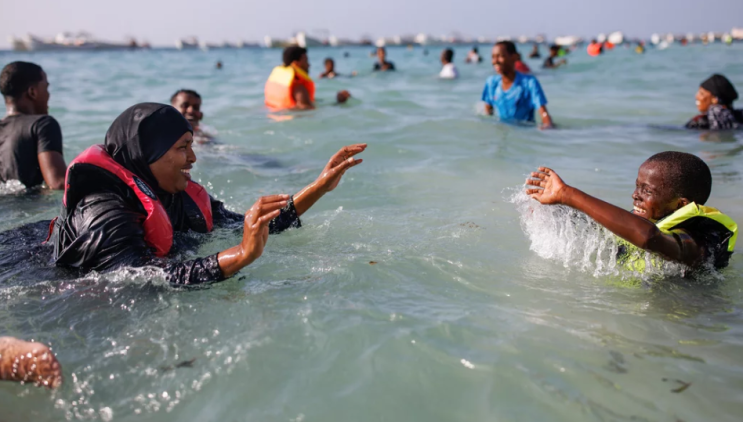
(449, 54)
(686, 174)
(509, 46)
(17, 77)
(184, 91)
(329, 60)
(292, 54)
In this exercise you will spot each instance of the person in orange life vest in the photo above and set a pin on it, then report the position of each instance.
(125, 200)
(595, 48)
(290, 86)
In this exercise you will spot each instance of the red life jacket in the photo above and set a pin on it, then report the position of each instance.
(158, 230)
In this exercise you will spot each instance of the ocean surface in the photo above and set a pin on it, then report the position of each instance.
(426, 287)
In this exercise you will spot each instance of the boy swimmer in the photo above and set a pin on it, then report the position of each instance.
(669, 217)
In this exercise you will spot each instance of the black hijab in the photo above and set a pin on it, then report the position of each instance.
(142, 134)
(721, 88)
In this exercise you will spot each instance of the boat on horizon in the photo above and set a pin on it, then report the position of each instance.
(66, 41)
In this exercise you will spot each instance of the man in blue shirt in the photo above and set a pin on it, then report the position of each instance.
(514, 94)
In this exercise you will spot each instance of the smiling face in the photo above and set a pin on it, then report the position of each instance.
(173, 169)
(652, 198)
(704, 100)
(190, 107)
(503, 61)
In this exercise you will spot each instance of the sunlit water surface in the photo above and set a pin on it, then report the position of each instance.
(424, 288)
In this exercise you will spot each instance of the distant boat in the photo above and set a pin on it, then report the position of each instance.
(616, 38)
(190, 43)
(568, 40)
(68, 42)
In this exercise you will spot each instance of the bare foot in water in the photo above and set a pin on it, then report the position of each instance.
(24, 361)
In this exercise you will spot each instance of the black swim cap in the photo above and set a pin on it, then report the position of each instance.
(721, 88)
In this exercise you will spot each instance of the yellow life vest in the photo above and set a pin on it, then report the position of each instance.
(634, 258)
(278, 89)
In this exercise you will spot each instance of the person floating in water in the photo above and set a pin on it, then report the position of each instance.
(535, 51)
(125, 199)
(669, 216)
(382, 65)
(188, 102)
(290, 87)
(30, 139)
(515, 95)
(715, 99)
(330, 72)
(329, 69)
(595, 48)
(550, 62)
(473, 56)
(29, 362)
(448, 71)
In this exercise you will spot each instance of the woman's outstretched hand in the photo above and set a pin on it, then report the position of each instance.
(340, 162)
(255, 234)
(329, 178)
(546, 186)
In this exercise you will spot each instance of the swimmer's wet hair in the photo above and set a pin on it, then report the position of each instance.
(509, 46)
(686, 174)
(329, 60)
(17, 77)
(184, 91)
(449, 54)
(293, 53)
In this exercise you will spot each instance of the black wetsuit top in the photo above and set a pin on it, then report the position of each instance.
(717, 118)
(105, 231)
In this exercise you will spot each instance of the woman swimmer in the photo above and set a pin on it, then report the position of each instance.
(124, 199)
(715, 103)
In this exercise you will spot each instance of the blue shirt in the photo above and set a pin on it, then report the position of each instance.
(519, 102)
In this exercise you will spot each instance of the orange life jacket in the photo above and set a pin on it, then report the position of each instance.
(594, 49)
(158, 230)
(280, 83)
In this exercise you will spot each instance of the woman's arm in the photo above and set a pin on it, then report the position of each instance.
(105, 233)
(329, 178)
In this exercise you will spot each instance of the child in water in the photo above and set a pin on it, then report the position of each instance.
(669, 217)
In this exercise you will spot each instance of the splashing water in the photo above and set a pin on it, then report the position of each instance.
(564, 234)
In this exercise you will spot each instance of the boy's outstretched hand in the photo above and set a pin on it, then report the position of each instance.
(545, 186)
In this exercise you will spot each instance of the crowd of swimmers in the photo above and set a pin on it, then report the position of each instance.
(125, 200)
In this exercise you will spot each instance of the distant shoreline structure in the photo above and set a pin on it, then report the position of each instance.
(86, 42)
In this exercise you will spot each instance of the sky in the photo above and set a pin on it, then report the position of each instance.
(161, 22)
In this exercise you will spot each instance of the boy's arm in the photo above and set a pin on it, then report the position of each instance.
(546, 187)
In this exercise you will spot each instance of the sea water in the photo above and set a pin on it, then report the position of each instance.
(425, 287)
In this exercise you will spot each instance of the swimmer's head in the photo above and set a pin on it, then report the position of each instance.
(329, 65)
(381, 54)
(447, 56)
(188, 102)
(505, 57)
(717, 89)
(25, 85)
(668, 181)
(296, 55)
(554, 50)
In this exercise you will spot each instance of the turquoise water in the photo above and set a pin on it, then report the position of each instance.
(466, 316)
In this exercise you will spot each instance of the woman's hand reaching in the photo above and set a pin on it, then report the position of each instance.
(255, 234)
